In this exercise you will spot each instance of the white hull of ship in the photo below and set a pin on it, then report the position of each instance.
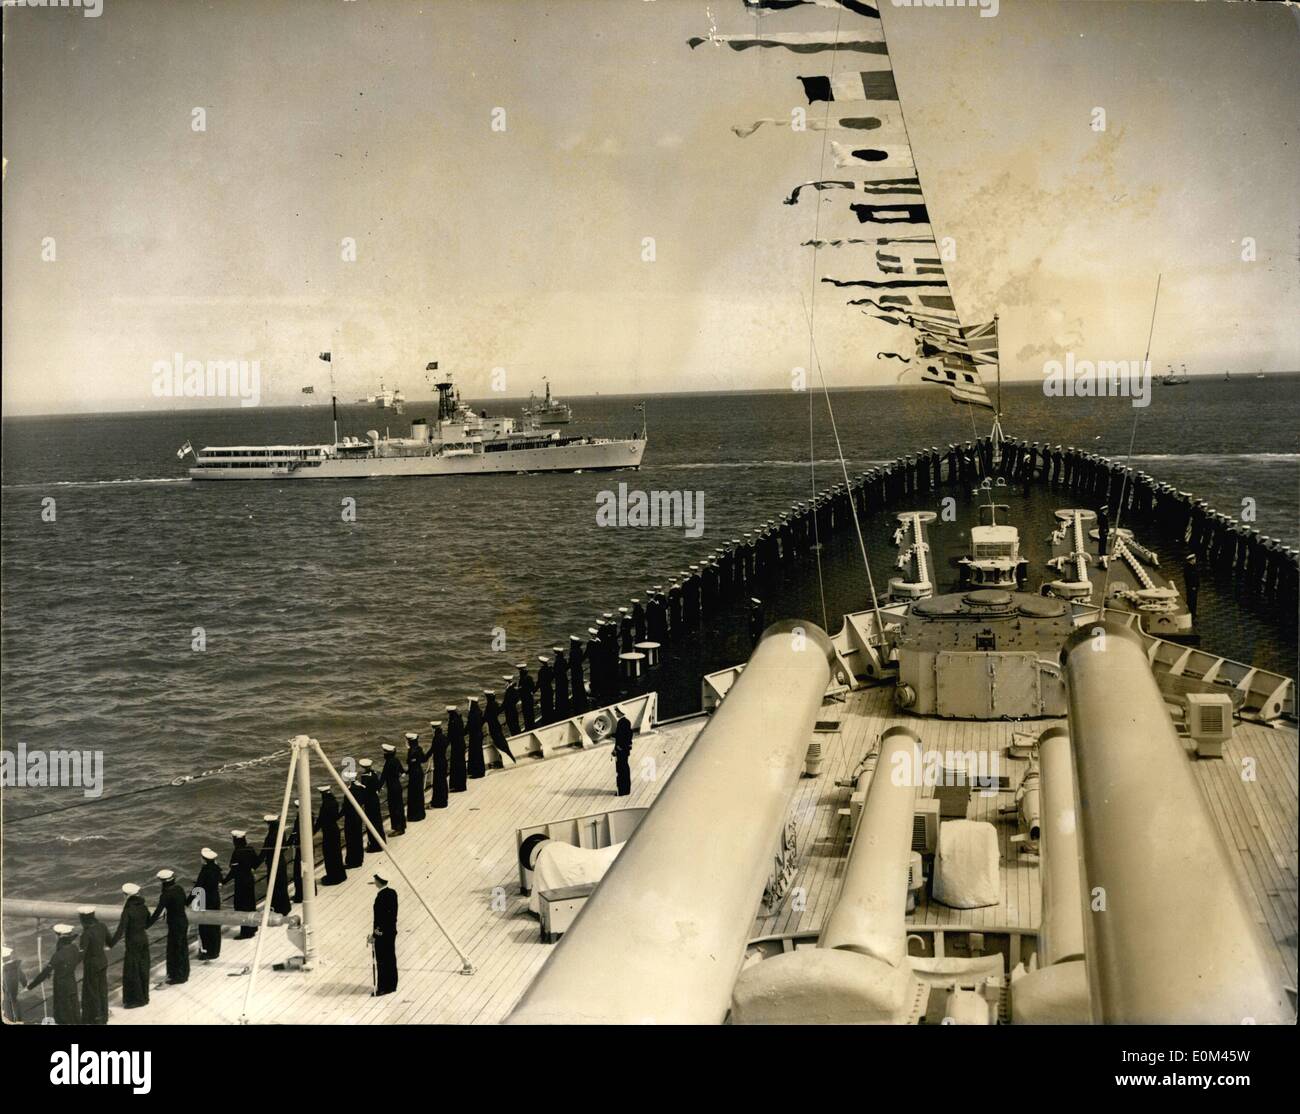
(597, 457)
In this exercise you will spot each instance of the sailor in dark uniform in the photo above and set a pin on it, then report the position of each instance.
(63, 966)
(510, 706)
(526, 689)
(391, 776)
(415, 779)
(133, 924)
(369, 782)
(331, 840)
(622, 756)
(94, 967)
(243, 862)
(474, 739)
(384, 938)
(560, 679)
(208, 882)
(438, 753)
(492, 717)
(624, 630)
(456, 746)
(280, 902)
(14, 982)
(1103, 530)
(546, 690)
(755, 620)
(1191, 582)
(171, 900)
(638, 620)
(354, 830)
(577, 687)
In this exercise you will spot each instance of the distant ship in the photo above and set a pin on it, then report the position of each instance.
(549, 411)
(459, 442)
(1169, 379)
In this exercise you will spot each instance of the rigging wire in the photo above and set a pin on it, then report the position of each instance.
(1128, 459)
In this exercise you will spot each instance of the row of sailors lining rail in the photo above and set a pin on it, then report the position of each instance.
(1259, 564)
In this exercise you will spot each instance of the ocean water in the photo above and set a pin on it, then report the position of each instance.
(355, 632)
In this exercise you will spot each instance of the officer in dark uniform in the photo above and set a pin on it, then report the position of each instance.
(391, 777)
(171, 900)
(94, 968)
(438, 749)
(1103, 530)
(63, 966)
(596, 663)
(331, 841)
(243, 862)
(384, 938)
(208, 882)
(623, 756)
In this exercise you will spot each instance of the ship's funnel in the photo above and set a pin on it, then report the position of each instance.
(1168, 934)
(663, 937)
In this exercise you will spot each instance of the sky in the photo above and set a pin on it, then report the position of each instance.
(522, 248)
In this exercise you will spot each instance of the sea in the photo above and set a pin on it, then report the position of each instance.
(184, 632)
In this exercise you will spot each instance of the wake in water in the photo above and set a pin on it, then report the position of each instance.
(94, 483)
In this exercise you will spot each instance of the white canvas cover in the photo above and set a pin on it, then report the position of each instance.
(561, 864)
(967, 865)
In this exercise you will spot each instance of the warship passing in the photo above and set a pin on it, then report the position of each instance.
(458, 442)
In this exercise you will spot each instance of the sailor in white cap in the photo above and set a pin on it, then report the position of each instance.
(14, 983)
(438, 777)
(280, 900)
(545, 690)
(384, 938)
(171, 901)
(492, 718)
(391, 776)
(526, 690)
(63, 966)
(415, 778)
(354, 830)
(331, 839)
(133, 924)
(510, 705)
(366, 792)
(456, 771)
(241, 870)
(560, 679)
(577, 681)
(207, 883)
